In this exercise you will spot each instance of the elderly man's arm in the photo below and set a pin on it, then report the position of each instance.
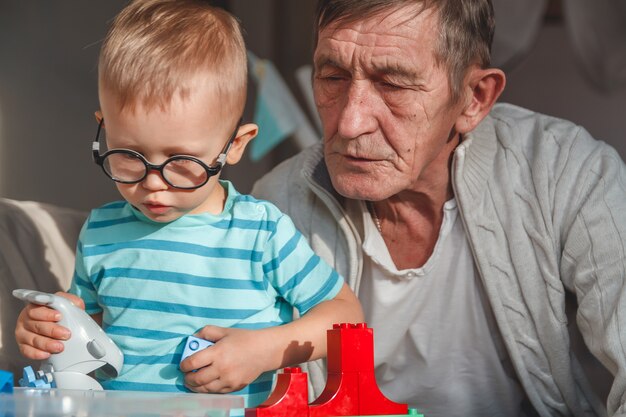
(594, 264)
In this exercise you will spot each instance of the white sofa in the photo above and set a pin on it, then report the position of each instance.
(37, 243)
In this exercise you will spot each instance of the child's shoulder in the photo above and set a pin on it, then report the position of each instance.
(106, 216)
(254, 207)
(246, 205)
(111, 207)
(110, 210)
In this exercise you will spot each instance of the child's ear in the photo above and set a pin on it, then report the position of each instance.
(245, 134)
(98, 114)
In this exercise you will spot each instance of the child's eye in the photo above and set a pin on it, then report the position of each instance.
(178, 160)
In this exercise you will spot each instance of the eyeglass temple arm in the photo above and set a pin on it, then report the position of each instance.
(95, 145)
(221, 158)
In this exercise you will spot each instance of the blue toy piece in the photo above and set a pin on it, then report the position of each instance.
(6, 382)
(38, 380)
(193, 345)
(28, 376)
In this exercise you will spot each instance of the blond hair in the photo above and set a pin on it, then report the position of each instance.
(154, 48)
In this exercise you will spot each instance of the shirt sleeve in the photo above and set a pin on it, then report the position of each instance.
(593, 260)
(82, 285)
(301, 277)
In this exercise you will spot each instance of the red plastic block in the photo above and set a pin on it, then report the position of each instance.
(339, 398)
(372, 401)
(350, 348)
(289, 398)
(351, 388)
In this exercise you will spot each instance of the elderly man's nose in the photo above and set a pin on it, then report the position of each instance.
(357, 115)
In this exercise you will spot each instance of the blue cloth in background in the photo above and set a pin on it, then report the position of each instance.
(277, 113)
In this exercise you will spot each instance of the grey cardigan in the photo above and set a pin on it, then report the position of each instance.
(544, 208)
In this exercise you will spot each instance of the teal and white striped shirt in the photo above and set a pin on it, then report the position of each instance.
(157, 283)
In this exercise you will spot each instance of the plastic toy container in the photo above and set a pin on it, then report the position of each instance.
(30, 402)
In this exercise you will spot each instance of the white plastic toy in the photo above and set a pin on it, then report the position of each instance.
(88, 349)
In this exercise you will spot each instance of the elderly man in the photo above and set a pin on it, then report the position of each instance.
(466, 228)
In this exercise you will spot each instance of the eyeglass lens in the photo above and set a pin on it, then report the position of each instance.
(179, 172)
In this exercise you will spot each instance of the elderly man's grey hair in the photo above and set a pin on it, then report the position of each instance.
(466, 28)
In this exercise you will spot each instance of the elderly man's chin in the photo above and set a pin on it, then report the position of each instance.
(360, 179)
(362, 186)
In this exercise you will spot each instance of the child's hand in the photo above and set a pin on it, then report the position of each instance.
(37, 333)
(238, 357)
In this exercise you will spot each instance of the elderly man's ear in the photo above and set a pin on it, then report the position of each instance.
(482, 88)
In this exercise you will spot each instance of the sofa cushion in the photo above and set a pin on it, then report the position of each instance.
(37, 243)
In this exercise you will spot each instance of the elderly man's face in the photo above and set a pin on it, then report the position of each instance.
(384, 103)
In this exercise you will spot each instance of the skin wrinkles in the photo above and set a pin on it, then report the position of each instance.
(390, 121)
(390, 124)
(356, 62)
(382, 65)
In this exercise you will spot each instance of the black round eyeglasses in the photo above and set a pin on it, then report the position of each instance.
(184, 172)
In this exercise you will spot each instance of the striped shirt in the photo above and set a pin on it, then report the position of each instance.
(157, 283)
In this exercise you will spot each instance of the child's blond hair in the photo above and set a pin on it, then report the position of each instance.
(154, 48)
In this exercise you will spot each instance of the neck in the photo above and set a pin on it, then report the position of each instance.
(410, 220)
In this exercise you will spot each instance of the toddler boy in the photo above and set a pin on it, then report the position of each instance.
(185, 253)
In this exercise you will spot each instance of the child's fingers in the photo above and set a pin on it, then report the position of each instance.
(202, 376)
(214, 387)
(45, 344)
(200, 380)
(76, 300)
(217, 386)
(34, 346)
(212, 333)
(196, 361)
(210, 380)
(41, 313)
(47, 329)
(33, 353)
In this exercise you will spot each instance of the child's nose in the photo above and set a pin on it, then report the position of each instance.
(154, 181)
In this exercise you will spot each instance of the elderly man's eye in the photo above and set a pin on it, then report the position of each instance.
(390, 86)
(331, 78)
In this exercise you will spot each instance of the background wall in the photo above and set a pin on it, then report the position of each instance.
(48, 93)
(549, 81)
(48, 55)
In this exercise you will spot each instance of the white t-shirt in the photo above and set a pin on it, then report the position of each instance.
(436, 346)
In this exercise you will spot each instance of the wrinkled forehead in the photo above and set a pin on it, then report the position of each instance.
(394, 14)
(397, 38)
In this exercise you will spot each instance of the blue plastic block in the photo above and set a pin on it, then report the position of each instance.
(31, 380)
(193, 345)
(28, 376)
(6, 382)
